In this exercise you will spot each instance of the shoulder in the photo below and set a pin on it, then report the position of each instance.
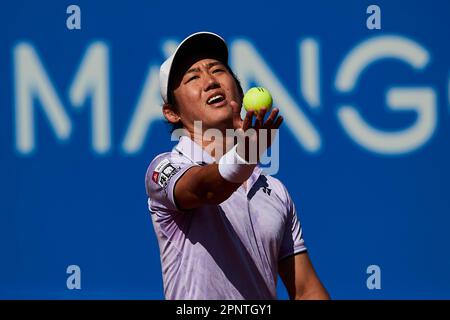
(157, 162)
(167, 158)
(171, 156)
(162, 168)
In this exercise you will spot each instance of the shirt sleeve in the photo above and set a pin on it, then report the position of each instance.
(160, 180)
(293, 241)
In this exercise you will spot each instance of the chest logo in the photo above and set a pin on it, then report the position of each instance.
(267, 190)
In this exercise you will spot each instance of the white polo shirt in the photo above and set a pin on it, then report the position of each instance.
(225, 251)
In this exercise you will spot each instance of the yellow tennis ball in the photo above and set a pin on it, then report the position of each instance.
(257, 98)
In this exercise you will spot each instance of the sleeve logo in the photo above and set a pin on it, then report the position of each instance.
(163, 172)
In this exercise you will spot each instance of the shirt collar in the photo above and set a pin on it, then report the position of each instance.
(196, 154)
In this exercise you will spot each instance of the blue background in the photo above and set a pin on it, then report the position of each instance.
(65, 204)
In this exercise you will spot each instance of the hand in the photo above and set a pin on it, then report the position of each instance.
(255, 139)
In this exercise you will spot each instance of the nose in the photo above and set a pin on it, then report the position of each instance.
(211, 82)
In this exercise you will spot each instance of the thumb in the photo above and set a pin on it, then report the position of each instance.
(237, 121)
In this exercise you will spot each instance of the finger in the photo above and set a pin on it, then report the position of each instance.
(271, 118)
(278, 122)
(248, 120)
(260, 118)
(274, 130)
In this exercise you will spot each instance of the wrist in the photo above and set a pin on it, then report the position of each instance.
(233, 167)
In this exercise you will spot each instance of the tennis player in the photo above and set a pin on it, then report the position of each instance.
(225, 230)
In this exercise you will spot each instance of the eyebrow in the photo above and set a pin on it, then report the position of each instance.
(209, 65)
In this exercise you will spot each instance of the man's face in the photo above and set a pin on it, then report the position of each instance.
(203, 90)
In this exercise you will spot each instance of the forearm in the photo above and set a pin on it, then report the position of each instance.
(211, 187)
(213, 183)
(203, 185)
(317, 293)
(300, 278)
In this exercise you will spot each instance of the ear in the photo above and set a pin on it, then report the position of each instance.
(170, 113)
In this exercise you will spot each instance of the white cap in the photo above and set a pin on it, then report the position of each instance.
(199, 41)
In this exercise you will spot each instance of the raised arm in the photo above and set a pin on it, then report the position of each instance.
(214, 183)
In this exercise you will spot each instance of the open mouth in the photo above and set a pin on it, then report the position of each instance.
(216, 99)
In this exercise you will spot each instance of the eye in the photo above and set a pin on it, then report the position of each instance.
(191, 78)
(218, 70)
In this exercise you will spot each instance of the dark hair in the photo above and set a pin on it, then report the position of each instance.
(171, 99)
